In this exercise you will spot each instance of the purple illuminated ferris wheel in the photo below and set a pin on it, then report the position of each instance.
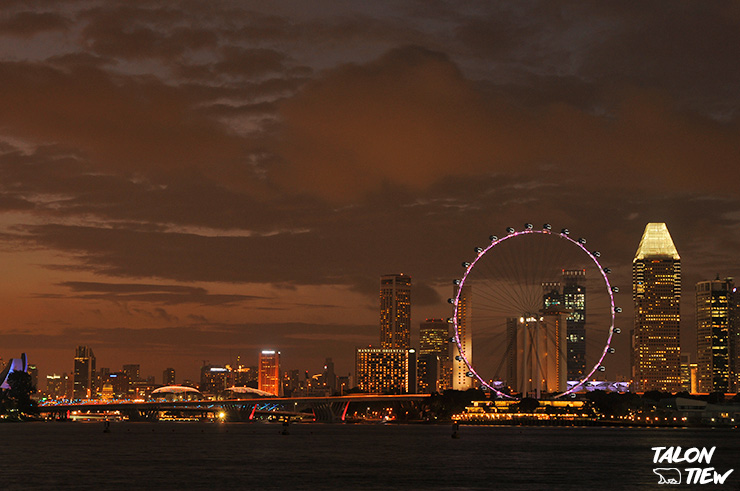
(533, 314)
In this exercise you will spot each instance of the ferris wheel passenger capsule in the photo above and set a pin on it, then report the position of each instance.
(611, 350)
(581, 240)
(465, 264)
(470, 374)
(602, 368)
(615, 289)
(493, 238)
(547, 226)
(607, 270)
(450, 320)
(451, 300)
(478, 250)
(456, 282)
(565, 231)
(458, 357)
(617, 330)
(510, 230)
(596, 254)
(618, 310)
(528, 226)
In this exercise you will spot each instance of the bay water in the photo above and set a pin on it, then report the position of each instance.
(224, 456)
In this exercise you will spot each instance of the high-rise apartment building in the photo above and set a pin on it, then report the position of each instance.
(84, 373)
(460, 378)
(395, 311)
(715, 331)
(269, 372)
(433, 362)
(656, 291)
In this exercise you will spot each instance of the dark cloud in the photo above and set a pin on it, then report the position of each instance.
(433, 123)
(304, 152)
(28, 24)
(155, 129)
(161, 294)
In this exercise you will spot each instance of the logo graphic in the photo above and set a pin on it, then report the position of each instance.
(668, 475)
(691, 456)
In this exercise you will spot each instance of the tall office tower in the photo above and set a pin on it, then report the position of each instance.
(84, 373)
(656, 291)
(168, 376)
(385, 370)
(269, 372)
(714, 330)
(574, 300)
(434, 340)
(460, 379)
(395, 311)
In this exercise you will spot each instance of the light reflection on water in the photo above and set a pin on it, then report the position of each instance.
(163, 455)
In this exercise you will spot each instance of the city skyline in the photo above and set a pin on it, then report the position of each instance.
(203, 183)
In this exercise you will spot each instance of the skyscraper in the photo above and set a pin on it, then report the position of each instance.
(536, 355)
(84, 373)
(656, 291)
(269, 372)
(460, 379)
(574, 300)
(395, 311)
(434, 336)
(715, 330)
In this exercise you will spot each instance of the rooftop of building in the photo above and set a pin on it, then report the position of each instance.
(656, 243)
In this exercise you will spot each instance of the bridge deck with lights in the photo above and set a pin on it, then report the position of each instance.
(328, 409)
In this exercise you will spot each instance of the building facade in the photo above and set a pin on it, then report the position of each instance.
(385, 370)
(168, 376)
(574, 301)
(269, 372)
(715, 332)
(656, 292)
(434, 359)
(460, 378)
(84, 373)
(395, 311)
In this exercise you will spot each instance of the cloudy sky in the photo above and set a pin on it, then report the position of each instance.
(201, 180)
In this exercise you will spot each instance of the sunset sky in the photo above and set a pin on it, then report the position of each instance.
(194, 181)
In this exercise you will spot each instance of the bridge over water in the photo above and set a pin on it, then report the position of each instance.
(323, 409)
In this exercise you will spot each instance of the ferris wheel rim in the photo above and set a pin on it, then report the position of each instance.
(528, 230)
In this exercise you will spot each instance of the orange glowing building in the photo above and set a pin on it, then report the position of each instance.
(269, 372)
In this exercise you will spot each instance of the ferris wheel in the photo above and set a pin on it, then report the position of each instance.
(534, 314)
